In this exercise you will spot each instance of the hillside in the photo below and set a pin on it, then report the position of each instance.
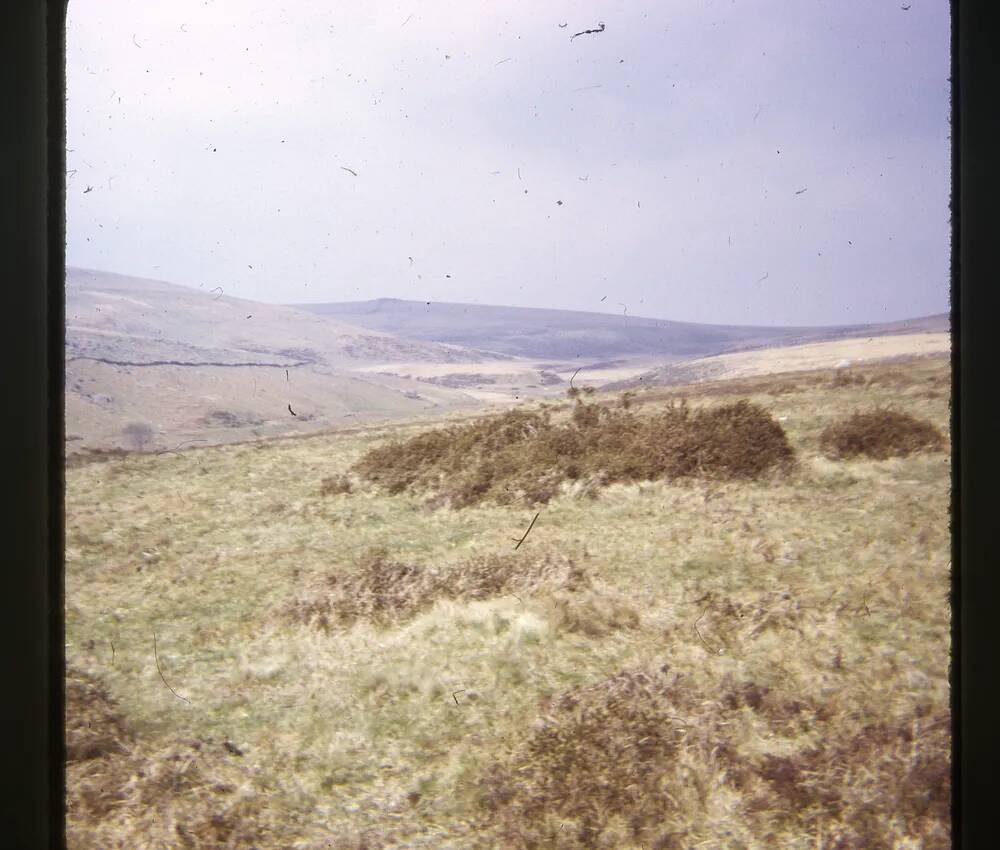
(187, 364)
(139, 321)
(266, 652)
(204, 365)
(568, 335)
(830, 354)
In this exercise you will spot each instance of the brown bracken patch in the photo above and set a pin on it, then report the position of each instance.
(525, 457)
(121, 793)
(600, 754)
(863, 780)
(880, 434)
(382, 588)
(637, 758)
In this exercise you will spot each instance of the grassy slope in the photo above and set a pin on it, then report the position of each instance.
(793, 358)
(172, 335)
(207, 548)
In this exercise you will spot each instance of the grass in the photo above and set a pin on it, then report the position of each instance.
(784, 640)
(184, 794)
(383, 590)
(643, 757)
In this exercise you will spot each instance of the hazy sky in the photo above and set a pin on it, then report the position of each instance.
(723, 161)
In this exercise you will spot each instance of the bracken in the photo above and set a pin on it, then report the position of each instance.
(637, 758)
(880, 434)
(525, 457)
(381, 588)
(121, 793)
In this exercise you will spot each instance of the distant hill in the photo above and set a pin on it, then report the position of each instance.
(567, 335)
(197, 364)
(840, 353)
(190, 364)
(117, 317)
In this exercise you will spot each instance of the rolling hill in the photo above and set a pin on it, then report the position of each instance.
(827, 354)
(574, 336)
(207, 366)
(188, 364)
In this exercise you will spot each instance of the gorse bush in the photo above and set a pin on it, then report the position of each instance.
(524, 456)
(881, 433)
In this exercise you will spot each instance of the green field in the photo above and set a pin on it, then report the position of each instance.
(747, 664)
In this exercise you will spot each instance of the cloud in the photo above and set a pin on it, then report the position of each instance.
(693, 124)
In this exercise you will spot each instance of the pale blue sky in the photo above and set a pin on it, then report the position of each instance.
(215, 137)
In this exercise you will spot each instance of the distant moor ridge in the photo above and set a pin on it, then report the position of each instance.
(178, 363)
(570, 334)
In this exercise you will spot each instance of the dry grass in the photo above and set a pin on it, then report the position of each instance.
(383, 589)
(86, 456)
(924, 373)
(847, 378)
(594, 614)
(522, 457)
(648, 758)
(881, 433)
(803, 618)
(336, 485)
(123, 794)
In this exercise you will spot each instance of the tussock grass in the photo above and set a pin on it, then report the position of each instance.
(594, 614)
(525, 456)
(847, 378)
(647, 757)
(124, 794)
(825, 588)
(91, 455)
(336, 485)
(881, 433)
(382, 588)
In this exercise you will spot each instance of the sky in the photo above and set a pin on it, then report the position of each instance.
(776, 162)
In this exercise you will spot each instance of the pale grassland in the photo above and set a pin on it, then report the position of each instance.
(822, 355)
(358, 729)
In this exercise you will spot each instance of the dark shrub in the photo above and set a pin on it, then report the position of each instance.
(881, 433)
(521, 456)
